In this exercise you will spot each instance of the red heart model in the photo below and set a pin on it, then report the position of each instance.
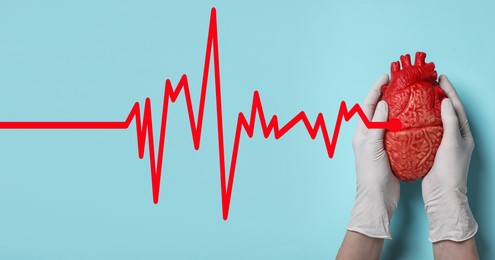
(414, 97)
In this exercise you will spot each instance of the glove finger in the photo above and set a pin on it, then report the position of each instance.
(456, 103)
(381, 115)
(451, 93)
(371, 100)
(449, 119)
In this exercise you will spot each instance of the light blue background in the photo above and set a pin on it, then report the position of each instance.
(86, 195)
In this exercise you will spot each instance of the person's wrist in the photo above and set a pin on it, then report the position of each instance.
(372, 212)
(450, 217)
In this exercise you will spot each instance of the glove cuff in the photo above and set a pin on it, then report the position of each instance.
(372, 213)
(451, 218)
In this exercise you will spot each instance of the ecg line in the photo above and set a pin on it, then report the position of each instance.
(144, 126)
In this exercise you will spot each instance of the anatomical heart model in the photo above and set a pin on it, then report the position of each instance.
(414, 97)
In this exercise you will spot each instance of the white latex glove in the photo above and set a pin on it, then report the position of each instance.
(377, 189)
(445, 186)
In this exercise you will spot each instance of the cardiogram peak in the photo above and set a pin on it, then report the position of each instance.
(142, 117)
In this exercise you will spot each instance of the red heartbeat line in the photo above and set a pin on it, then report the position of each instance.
(144, 127)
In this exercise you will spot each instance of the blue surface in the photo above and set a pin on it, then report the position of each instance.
(86, 195)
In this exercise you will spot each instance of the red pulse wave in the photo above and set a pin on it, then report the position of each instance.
(144, 127)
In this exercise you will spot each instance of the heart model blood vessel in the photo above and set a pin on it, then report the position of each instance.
(414, 97)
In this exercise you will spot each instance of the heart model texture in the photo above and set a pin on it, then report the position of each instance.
(414, 97)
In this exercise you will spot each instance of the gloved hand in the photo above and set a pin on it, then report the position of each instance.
(377, 188)
(445, 186)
